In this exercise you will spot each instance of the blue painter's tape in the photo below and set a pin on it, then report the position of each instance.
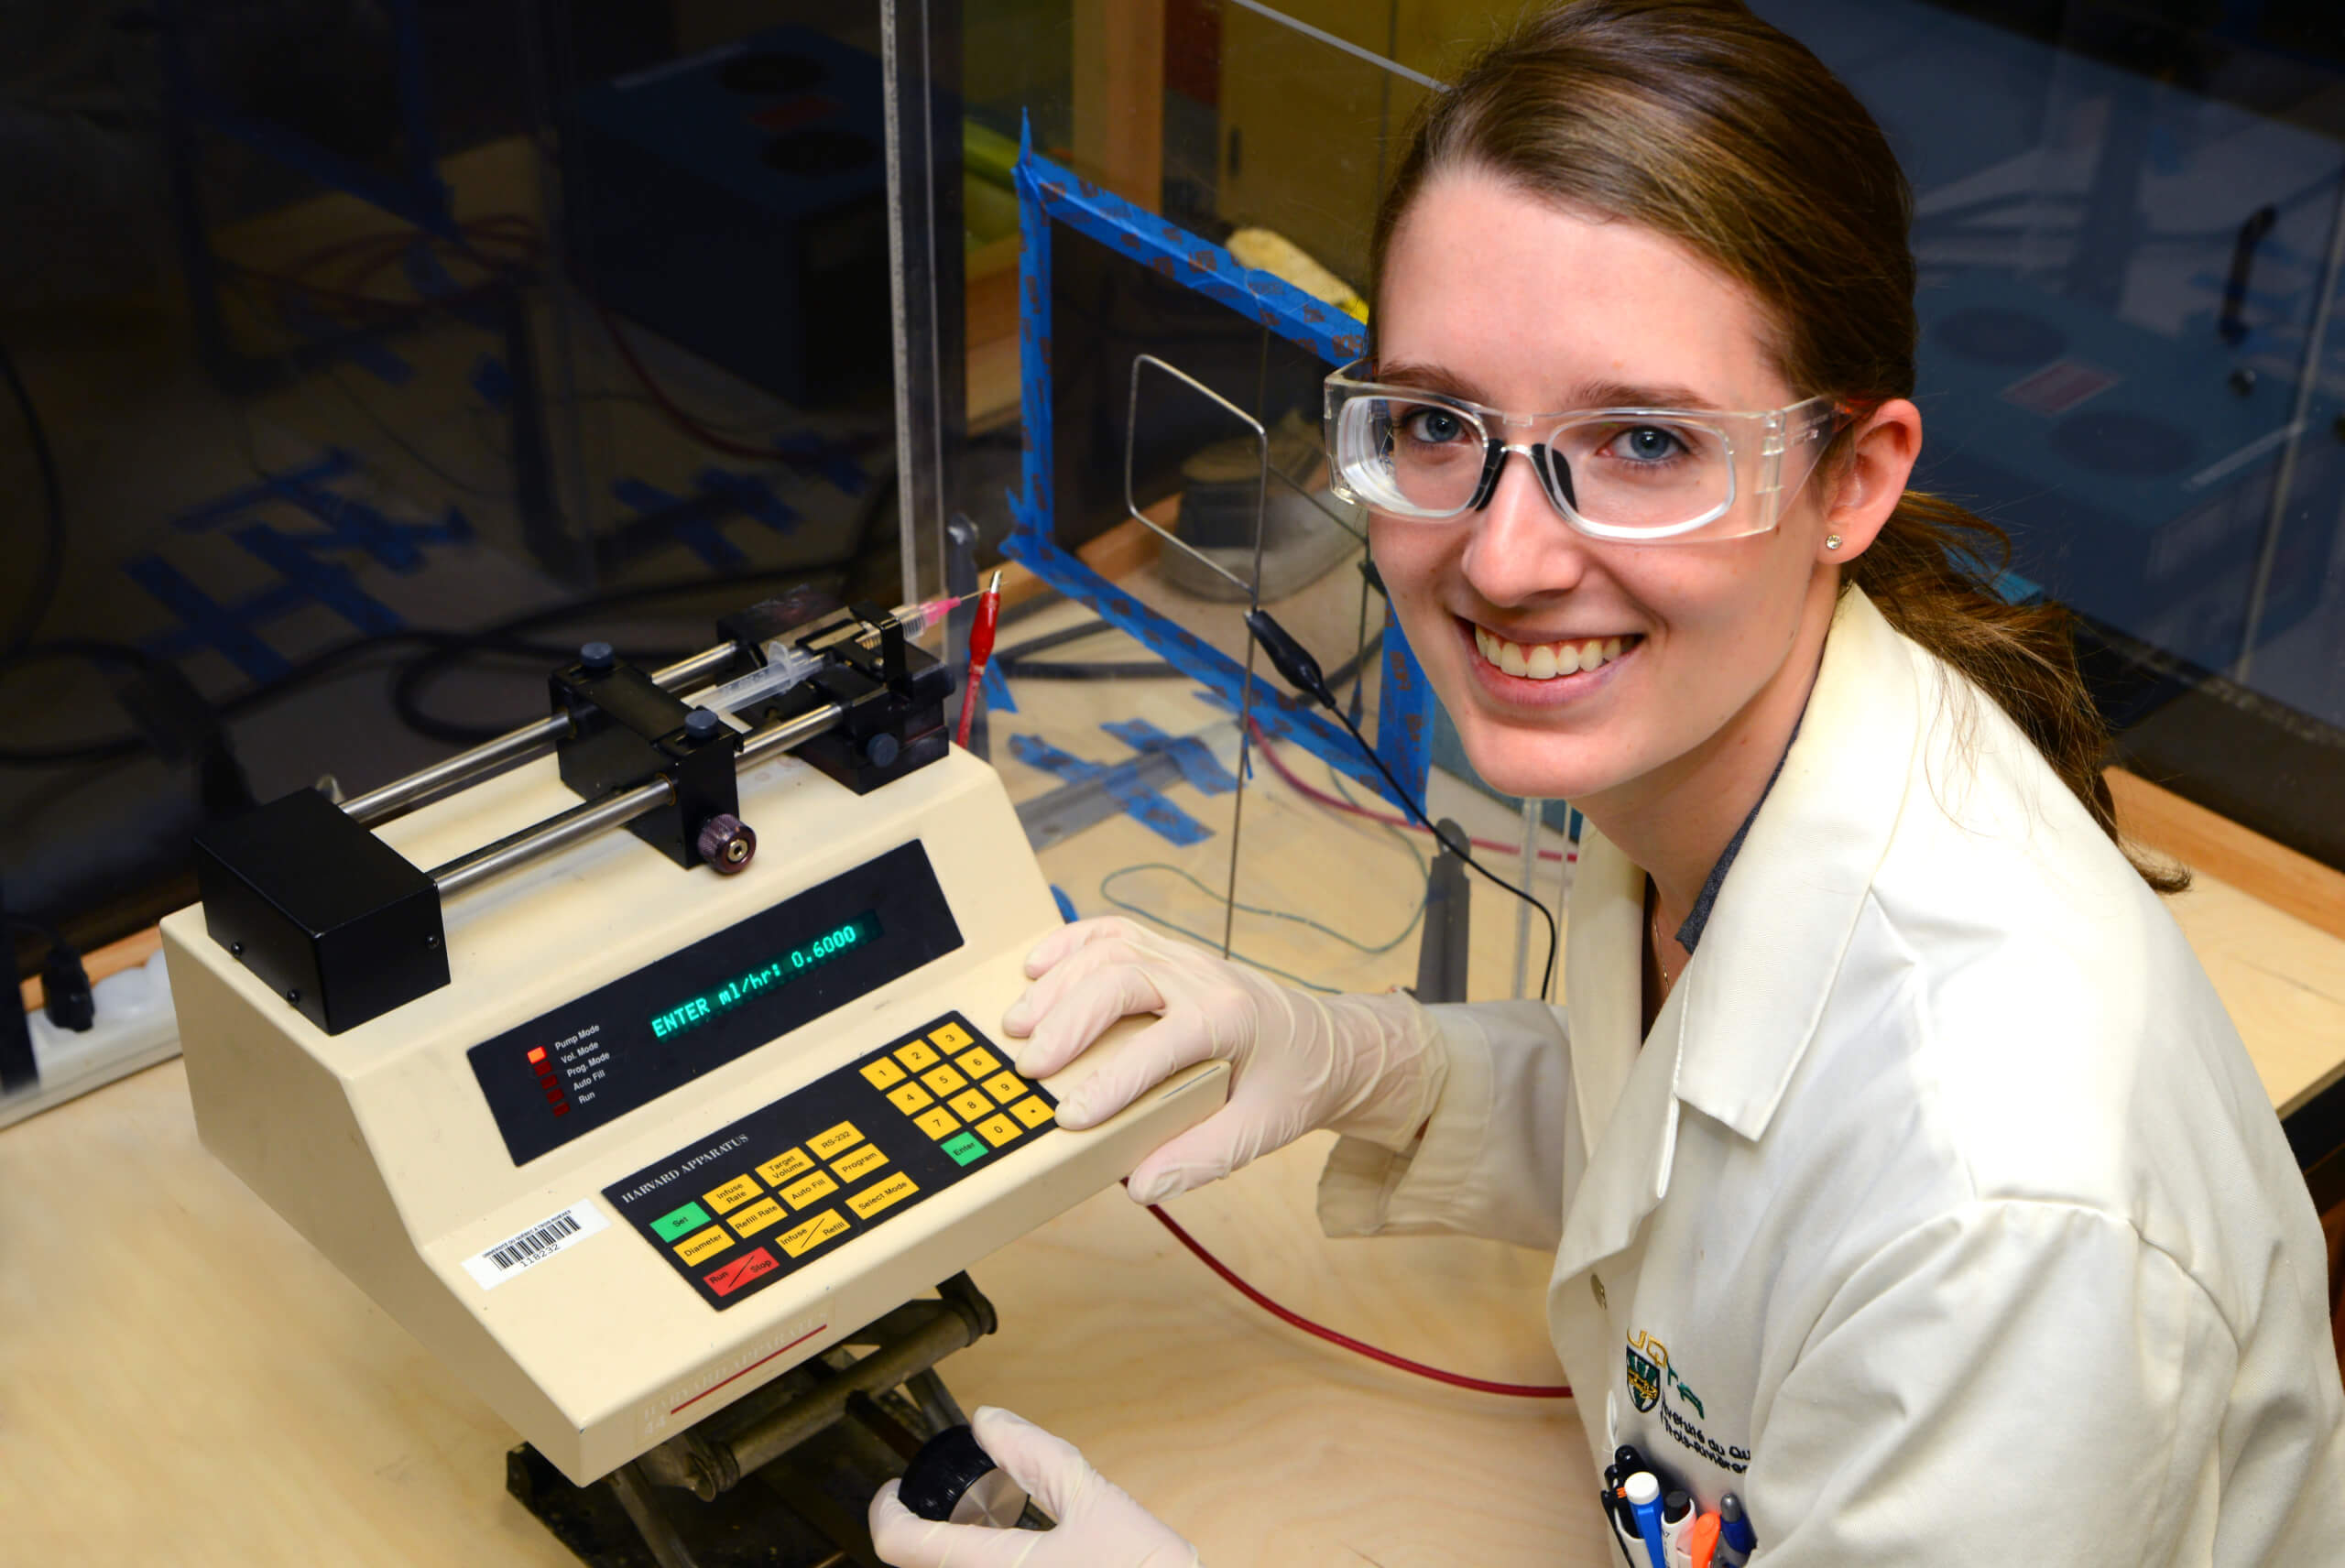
(1047, 193)
(367, 353)
(1123, 781)
(332, 466)
(493, 381)
(209, 624)
(1198, 765)
(1065, 904)
(1404, 711)
(995, 687)
(695, 532)
(750, 494)
(353, 524)
(1188, 260)
(327, 581)
(832, 460)
(1277, 713)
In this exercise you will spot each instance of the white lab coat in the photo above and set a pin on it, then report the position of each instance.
(1941, 1216)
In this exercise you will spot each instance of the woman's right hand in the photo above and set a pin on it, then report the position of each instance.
(1369, 1066)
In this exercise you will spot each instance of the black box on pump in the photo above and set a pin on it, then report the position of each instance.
(336, 921)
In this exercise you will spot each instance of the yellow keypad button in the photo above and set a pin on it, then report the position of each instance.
(944, 1082)
(823, 1227)
(1032, 1111)
(810, 1191)
(909, 1097)
(1006, 1087)
(998, 1130)
(757, 1217)
(978, 1063)
(948, 1038)
(970, 1105)
(937, 1122)
(828, 1143)
(916, 1056)
(894, 1190)
(861, 1163)
(785, 1167)
(733, 1194)
(884, 1074)
(706, 1244)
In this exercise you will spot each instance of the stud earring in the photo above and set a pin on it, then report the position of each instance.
(1831, 541)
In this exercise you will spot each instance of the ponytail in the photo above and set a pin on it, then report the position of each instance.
(1927, 571)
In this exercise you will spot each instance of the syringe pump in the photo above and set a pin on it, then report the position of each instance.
(640, 1120)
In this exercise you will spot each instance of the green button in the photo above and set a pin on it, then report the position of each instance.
(689, 1218)
(964, 1149)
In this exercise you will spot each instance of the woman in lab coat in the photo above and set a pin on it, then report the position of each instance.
(1904, 1174)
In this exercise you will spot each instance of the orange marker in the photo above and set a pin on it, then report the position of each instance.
(1704, 1541)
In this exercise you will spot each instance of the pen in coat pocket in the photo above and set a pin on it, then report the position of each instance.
(1737, 1540)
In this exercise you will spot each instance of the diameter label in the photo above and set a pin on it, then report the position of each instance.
(533, 1247)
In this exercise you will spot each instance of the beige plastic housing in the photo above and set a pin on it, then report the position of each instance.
(378, 1145)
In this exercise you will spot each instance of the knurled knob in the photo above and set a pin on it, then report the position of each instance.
(726, 842)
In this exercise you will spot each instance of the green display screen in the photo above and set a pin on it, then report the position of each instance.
(715, 1002)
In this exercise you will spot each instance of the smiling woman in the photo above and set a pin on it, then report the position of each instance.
(1887, 1107)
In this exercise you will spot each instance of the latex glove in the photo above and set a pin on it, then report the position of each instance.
(1369, 1067)
(1099, 1525)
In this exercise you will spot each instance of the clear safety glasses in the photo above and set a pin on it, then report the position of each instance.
(1645, 475)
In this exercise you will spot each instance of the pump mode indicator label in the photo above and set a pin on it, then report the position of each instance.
(803, 1177)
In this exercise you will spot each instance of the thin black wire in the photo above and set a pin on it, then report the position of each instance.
(52, 565)
(446, 646)
(1461, 850)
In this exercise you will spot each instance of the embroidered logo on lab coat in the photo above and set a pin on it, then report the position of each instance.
(1653, 1381)
(1648, 1369)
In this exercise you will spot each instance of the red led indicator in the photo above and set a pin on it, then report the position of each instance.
(538, 1054)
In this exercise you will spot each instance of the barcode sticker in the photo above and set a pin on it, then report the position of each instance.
(533, 1247)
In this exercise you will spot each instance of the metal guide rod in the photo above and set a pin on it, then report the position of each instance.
(591, 817)
(582, 820)
(376, 805)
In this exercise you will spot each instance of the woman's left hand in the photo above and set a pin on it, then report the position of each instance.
(1099, 1526)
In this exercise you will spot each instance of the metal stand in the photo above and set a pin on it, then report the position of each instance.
(1443, 948)
(782, 1477)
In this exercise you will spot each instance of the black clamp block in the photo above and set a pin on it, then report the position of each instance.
(334, 920)
(627, 731)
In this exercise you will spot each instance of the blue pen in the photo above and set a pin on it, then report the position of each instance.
(1644, 1503)
(1737, 1540)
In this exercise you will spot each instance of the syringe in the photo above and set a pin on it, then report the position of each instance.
(787, 664)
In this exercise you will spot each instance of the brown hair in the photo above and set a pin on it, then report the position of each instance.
(1697, 120)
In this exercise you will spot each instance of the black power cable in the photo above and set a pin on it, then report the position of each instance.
(52, 559)
(1301, 673)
